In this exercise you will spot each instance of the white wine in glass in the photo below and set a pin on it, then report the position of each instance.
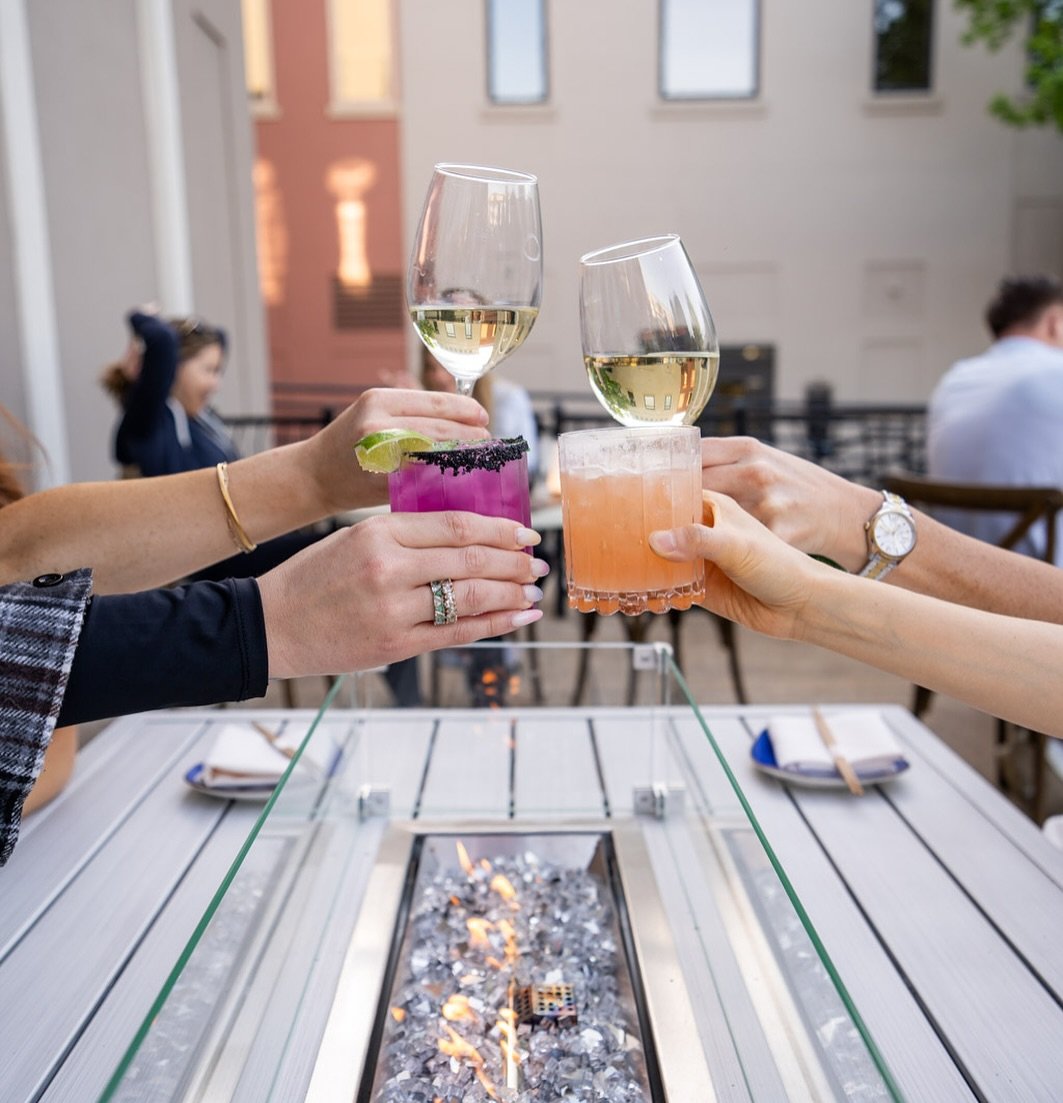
(476, 274)
(649, 342)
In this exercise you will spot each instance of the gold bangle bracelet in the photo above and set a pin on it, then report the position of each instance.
(236, 530)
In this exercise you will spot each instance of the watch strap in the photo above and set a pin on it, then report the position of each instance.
(878, 566)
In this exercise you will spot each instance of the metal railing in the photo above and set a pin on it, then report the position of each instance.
(860, 441)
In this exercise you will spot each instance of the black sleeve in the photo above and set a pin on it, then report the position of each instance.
(199, 644)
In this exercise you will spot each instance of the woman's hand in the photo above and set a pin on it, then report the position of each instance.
(330, 453)
(807, 506)
(751, 576)
(361, 597)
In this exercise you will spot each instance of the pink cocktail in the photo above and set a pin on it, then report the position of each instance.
(488, 477)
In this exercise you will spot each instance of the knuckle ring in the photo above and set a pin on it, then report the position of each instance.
(444, 608)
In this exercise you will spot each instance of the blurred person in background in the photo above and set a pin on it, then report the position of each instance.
(508, 405)
(997, 417)
(164, 385)
(58, 762)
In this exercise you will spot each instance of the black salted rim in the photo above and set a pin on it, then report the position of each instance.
(483, 455)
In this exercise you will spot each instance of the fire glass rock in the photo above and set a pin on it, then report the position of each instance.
(466, 935)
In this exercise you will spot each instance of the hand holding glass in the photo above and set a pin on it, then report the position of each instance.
(649, 343)
(476, 274)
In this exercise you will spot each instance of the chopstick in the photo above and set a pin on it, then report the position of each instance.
(845, 767)
(271, 737)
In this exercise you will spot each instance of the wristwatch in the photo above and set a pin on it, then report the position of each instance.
(890, 536)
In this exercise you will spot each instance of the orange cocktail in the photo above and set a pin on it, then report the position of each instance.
(618, 486)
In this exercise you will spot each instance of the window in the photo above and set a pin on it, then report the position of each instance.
(258, 56)
(903, 30)
(709, 49)
(516, 51)
(361, 67)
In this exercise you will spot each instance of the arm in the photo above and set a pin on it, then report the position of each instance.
(158, 367)
(355, 600)
(1003, 665)
(140, 533)
(823, 514)
(39, 630)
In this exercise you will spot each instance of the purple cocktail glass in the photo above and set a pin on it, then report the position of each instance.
(488, 477)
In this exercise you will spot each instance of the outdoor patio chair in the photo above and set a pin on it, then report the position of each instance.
(1030, 505)
(637, 628)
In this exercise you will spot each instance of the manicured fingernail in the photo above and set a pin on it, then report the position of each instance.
(527, 616)
(527, 538)
(663, 541)
(540, 568)
(532, 593)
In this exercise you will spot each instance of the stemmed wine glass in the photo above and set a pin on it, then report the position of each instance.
(476, 274)
(649, 342)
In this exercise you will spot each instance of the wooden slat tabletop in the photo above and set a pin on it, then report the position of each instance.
(940, 905)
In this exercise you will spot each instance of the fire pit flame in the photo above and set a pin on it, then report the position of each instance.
(457, 1008)
(464, 860)
(507, 1000)
(478, 927)
(458, 1049)
(507, 1043)
(501, 884)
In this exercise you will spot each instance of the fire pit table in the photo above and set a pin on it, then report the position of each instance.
(525, 904)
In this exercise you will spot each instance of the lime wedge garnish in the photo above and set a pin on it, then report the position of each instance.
(381, 453)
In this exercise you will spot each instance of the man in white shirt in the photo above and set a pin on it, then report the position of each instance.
(998, 417)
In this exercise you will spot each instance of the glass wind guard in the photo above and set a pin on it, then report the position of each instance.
(553, 890)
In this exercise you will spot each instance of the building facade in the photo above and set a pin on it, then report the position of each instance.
(851, 208)
(125, 178)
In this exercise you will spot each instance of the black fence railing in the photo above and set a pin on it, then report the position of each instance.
(856, 440)
(859, 441)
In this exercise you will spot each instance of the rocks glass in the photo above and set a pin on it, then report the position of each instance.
(488, 477)
(618, 486)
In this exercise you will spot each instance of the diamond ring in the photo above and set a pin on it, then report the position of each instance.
(443, 605)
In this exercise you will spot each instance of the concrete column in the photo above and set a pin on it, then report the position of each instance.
(32, 261)
(166, 156)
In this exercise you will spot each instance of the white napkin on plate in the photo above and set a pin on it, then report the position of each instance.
(242, 756)
(864, 738)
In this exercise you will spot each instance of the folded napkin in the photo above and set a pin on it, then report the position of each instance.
(242, 757)
(863, 738)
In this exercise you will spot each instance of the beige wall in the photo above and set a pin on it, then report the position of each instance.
(860, 236)
(102, 213)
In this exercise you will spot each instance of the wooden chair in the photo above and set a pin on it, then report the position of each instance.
(637, 628)
(1030, 506)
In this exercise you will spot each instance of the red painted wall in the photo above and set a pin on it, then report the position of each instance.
(301, 145)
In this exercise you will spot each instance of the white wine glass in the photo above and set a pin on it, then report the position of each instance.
(476, 274)
(649, 342)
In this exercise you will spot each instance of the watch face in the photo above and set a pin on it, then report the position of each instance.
(894, 535)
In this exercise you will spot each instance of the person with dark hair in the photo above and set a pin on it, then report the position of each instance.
(1021, 303)
(995, 418)
(171, 371)
(164, 386)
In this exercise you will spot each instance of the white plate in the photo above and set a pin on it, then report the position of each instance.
(255, 791)
(763, 757)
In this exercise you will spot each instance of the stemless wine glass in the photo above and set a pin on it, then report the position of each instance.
(476, 274)
(649, 342)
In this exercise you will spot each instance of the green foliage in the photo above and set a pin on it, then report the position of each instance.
(1040, 22)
